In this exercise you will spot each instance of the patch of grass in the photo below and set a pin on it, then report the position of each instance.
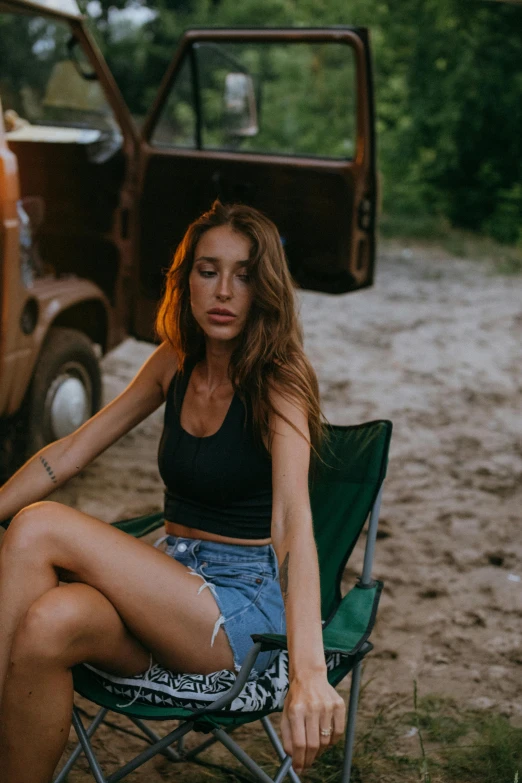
(402, 226)
(467, 746)
(434, 716)
(436, 231)
(435, 742)
(328, 768)
(511, 265)
(494, 757)
(429, 740)
(424, 768)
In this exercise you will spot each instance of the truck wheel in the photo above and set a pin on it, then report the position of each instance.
(65, 390)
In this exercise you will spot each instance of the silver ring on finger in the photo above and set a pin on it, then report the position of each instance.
(326, 732)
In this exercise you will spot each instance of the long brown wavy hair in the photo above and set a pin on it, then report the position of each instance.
(270, 349)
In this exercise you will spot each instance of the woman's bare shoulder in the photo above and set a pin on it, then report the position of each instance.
(289, 414)
(285, 398)
(166, 364)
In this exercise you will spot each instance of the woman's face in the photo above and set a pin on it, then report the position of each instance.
(220, 289)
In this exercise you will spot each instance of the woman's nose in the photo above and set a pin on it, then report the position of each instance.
(224, 288)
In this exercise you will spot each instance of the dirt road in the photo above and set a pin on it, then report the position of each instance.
(436, 347)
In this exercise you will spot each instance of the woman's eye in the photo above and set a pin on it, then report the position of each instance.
(244, 277)
(206, 272)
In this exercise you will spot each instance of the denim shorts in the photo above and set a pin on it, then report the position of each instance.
(244, 581)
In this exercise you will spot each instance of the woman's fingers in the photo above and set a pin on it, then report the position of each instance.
(286, 735)
(308, 728)
(338, 720)
(313, 737)
(307, 734)
(293, 731)
(326, 732)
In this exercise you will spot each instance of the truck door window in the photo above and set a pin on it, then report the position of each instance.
(305, 99)
(42, 85)
(177, 124)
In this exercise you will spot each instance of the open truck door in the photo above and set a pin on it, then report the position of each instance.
(281, 120)
(91, 210)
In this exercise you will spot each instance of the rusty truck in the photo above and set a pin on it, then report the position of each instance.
(93, 202)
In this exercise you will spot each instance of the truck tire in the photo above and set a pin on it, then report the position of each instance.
(65, 389)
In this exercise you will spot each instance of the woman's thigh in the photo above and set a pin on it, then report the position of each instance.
(156, 597)
(75, 623)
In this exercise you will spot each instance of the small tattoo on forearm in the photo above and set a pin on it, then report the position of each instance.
(283, 576)
(48, 469)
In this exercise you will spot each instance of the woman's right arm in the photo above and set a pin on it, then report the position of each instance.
(53, 465)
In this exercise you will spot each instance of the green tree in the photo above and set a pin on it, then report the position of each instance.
(448, 79)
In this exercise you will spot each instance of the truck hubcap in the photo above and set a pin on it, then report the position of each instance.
(69, 400)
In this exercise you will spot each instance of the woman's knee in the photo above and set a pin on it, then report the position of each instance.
(50, 628)
(30, 528)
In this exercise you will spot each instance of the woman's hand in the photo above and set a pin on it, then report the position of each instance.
(312, 708)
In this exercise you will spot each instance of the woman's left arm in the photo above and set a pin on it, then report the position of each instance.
(312, 706)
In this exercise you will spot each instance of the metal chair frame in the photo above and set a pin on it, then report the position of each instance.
(175, 737)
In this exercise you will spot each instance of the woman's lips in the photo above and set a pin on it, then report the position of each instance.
(220, 318)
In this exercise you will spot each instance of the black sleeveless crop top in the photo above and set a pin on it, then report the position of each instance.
(221, 483)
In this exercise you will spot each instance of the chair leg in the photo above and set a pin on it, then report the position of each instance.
(86, 745)
(276, 742)
(153, 737)
(284, 770)
(102, 712)
(199, 749)
(243, 757)
(350, 722)
(152, 751)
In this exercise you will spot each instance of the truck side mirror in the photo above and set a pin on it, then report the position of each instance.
(239, 105)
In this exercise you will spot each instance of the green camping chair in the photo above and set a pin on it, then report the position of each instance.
(344, 491)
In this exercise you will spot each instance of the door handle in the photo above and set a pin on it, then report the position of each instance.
(365, 214)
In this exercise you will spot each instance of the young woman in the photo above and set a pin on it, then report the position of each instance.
(241, 416)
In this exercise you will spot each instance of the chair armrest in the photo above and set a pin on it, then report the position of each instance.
(228, 697)
(348, 629)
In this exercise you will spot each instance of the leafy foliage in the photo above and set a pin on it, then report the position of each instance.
(448, 95)
(448, 79)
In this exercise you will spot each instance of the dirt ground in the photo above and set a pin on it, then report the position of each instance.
(435, 346)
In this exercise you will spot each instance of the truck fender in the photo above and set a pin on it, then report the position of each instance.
(68, 302)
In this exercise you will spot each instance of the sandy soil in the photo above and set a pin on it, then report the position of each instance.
(434, 346)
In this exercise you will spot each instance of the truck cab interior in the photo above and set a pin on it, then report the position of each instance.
(69, 151)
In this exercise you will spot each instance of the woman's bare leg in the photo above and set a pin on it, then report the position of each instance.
(20, 586)
(68, 624)
(155, 598)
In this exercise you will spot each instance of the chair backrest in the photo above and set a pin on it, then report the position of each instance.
(343, 490)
